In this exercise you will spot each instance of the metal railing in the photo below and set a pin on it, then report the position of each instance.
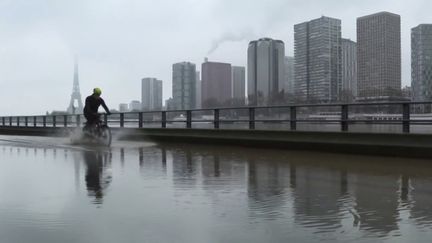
(356, 117)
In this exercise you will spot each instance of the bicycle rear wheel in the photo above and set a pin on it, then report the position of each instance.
(105, 135)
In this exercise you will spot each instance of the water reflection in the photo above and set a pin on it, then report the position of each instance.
(318, 197)
(267, 186)
(98, 174)
(404, 190)
(152, 160)
(324, 194)
(122, 156)
(210, 167)
(377, 202)
(421, 205)
(184, 169)
(288, 193)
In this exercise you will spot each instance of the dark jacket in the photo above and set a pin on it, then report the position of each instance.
(92, 104)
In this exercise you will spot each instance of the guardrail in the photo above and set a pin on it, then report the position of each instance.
(401, 116)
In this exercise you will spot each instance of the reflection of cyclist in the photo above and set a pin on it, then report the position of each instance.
(91, 107)
(97, 176)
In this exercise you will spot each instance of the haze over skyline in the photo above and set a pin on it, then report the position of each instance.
(119, 42)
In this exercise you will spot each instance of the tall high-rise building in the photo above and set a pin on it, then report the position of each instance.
(238, 80)
(349, 69)
(216, 83)
(379, 56)
(289, 76)
(123, 107)
(265, 71)
(151, 94)
(318, 54)
(135, 105)
(184, 85)
(198, 91)
(407, 93)
(421, 62)
(169, 104)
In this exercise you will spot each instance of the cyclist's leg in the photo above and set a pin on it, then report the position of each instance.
(92, 120)
(86, 127)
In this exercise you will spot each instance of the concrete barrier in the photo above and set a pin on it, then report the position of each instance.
(410, 145)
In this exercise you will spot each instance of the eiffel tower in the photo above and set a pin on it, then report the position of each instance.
(76, 95)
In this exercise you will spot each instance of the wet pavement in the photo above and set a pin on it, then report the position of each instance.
(54, 191)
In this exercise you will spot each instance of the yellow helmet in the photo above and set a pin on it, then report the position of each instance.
(97, 91)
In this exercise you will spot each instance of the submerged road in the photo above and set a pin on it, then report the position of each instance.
(52, 190)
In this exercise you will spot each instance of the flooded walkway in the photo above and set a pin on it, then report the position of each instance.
(51, 191)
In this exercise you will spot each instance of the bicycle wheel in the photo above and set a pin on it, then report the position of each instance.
(105, 135)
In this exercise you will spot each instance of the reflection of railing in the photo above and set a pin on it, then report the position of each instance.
(288, 117)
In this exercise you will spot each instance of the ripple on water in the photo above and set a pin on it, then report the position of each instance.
(21, 219)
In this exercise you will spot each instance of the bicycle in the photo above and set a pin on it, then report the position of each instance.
(99, 132)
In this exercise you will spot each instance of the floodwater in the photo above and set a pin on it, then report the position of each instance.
(51, 191)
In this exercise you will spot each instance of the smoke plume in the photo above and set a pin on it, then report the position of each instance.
(231, 37)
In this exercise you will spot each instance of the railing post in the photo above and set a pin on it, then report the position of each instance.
(164, 119)
(3, 121)
(54, 121)
(78, 120)
(406, 118)
(10, 121)
(188, 119)
(44, 121)
(26, 121)
(216, 118)
(65, 122)
(140, 120)
(251, 118)
(34, 121)
(121, 119)
(293, 118)
(105, 118)
(344, 118)
(18, 121)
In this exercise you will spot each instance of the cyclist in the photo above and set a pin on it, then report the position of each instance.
(91, 107)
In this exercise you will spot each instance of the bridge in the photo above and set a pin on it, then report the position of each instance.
(389, 128)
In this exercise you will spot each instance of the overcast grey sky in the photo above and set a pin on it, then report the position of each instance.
(118, 42)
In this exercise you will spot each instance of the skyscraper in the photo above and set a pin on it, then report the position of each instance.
(151, 94)
(123, 107)
(421, 62)
(265, 70)
(216, 83)
(135, 105)
(379, 56)
(318, 53)
(184, 85)
(289, 76)
(198, 91)
(349, 70)
(238, 80)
